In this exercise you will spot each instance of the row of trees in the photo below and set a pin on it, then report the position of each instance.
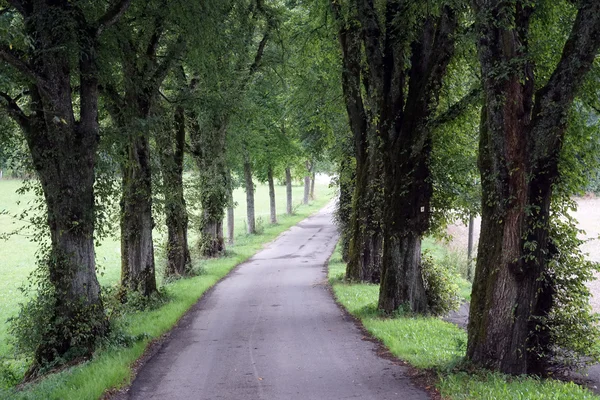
(115, 100)
(421, 81)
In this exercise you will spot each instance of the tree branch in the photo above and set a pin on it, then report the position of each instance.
(372, 37)
(259, 53)
(457, 109)
(162, 69)
(553, 101)
(14, 59)
(13, 109)
(112, 15)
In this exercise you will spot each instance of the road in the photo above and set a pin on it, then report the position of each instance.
(271, 330)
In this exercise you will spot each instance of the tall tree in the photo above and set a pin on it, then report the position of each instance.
(148, 49)
(56, 60)
(364, 230)
(171, 146)
(523, 128)
(407, 49)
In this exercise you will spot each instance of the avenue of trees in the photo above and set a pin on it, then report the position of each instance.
(429, 111)
(110, 104)
(412, 75)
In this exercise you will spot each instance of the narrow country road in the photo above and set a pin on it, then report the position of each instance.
(272, 330)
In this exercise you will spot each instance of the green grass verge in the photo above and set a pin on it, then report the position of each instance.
(430, 343)
(111, 368)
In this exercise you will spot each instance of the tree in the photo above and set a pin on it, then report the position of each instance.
(148, 51)
(54, 55)
(393, 136)
(236, 63)
(171, 145)
(523, 127)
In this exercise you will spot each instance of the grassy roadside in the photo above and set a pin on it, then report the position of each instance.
(430, 343)
(111, 367)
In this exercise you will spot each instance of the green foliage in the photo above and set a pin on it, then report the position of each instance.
(574, 329)
(441, 286)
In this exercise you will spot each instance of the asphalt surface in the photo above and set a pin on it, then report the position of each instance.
(272, 330)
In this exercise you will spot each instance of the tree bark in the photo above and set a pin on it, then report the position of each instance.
(312, 185)
(137, 248)
(521, 137)
(230, 225)
(344, 210)
(470, 249)
(307, 184)
(171, 157)
(208, 151)
(273, 206)
(251, 220)
(230, 211)
(288, 190)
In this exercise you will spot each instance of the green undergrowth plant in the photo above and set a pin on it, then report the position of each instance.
(439, 347)
(135, 325)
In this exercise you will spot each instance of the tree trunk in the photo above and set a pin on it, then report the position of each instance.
(521, 137)
(178, 254)
(470, 249)
(363, 235)
(137, 248)
(230, 225)
(78, 315)
(249, 195)
(402, 281)
(344, 209)
(272, 195)
(366, 241)
(208, 150)
(406, 212)
(312, 186)
(63, 151)
(288, 190)
(230, 210)
(212, 234)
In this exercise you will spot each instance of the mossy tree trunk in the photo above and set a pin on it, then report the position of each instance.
(144, 73)
(62, 137)
(364, 239)
(522, 132)
(249, 185)
(171, 149)
(306, 197)
(137, 247)
(272, 204)
(208, 151)
(288, 191)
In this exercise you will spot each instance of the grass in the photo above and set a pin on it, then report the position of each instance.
(111, 367)
(430, 343)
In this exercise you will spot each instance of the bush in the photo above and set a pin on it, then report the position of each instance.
(441, 286)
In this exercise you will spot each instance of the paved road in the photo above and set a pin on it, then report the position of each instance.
(272, 331)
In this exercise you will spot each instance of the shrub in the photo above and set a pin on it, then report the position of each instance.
(441, 286)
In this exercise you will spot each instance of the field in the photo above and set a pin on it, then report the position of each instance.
(17, 254)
